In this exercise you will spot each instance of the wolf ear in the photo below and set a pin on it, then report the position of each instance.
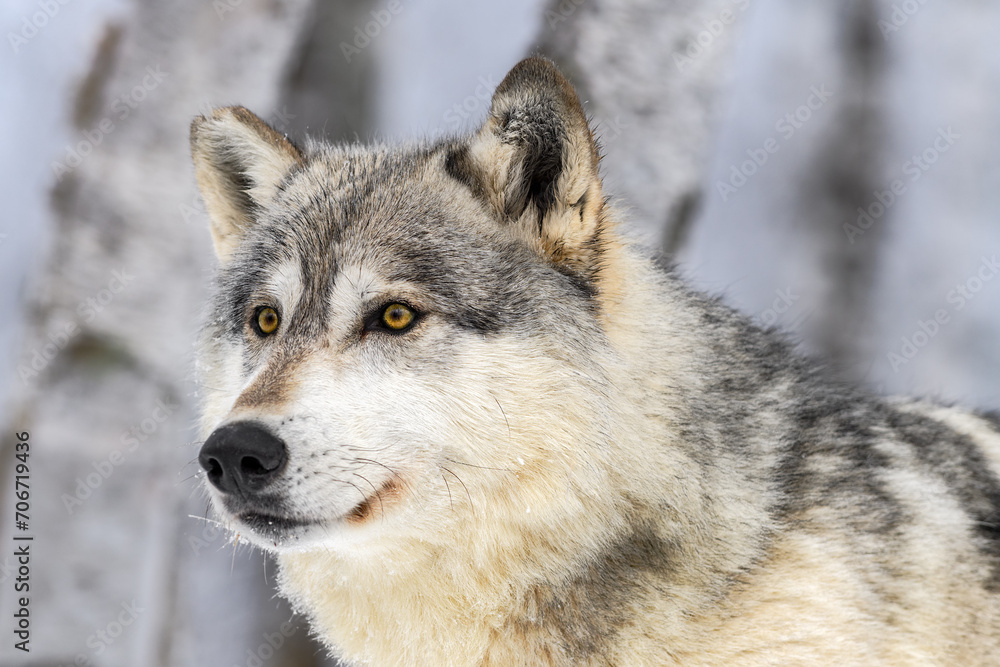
(535, 163)
(239, 162)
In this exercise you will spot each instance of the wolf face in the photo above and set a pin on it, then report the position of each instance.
(387, 320)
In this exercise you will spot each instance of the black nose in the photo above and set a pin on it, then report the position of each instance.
(242, 457)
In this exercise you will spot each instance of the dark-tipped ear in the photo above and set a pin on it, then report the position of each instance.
(535, 162)
(239, 162)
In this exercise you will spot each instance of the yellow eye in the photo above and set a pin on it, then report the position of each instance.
(267, 320)
(397, 317)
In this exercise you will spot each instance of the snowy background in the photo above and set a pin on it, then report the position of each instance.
(743, 137)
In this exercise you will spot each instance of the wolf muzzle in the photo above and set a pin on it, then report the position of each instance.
(242, 458)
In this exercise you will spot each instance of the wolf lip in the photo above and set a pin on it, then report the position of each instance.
(377, 503)
(270, 524)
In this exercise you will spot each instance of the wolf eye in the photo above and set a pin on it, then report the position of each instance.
(397, 317)
(265, 320)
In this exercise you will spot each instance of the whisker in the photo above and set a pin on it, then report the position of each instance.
(206, 520)
(355, 448)
(448, 486)
(377, 494)
(363, 497)
(179, 482)
(473, 465)
(505, 419)
(471, 505)
(200, 383)
(378, 464)
(395, 474)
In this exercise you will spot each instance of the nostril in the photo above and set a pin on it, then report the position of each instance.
(213, 469)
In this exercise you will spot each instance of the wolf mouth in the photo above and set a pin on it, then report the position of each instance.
(270, 525)
(275, 526)
(376, 503)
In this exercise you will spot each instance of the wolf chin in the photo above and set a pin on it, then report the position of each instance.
(477, 426)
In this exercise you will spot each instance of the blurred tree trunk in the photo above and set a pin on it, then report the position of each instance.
(652, 74)
(120, 575)
(842, 238)
(827, 118)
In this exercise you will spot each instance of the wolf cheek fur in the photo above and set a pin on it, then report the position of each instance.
(566, 457)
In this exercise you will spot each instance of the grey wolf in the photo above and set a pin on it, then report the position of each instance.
(477, 426)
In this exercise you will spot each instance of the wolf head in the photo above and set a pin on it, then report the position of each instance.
(404, 336)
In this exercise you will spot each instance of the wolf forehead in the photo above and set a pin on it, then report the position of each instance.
(496, 229)
(403, 215)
